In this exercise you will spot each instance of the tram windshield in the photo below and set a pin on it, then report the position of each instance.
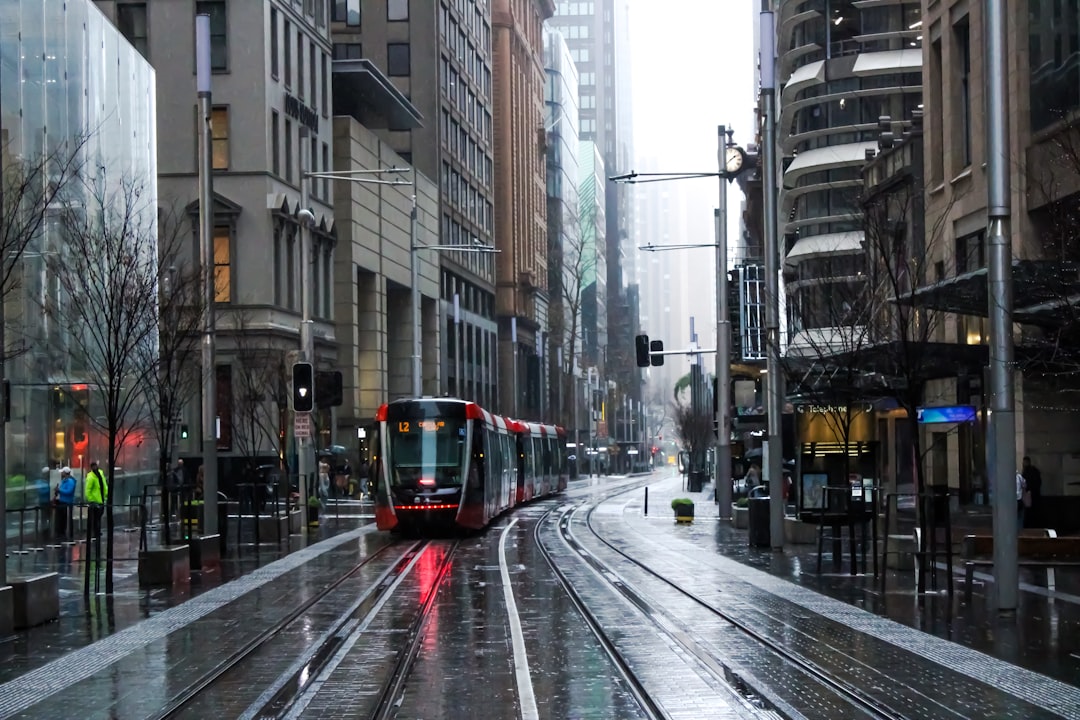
(426, 451)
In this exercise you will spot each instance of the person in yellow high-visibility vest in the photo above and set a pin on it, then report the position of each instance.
(96, 493)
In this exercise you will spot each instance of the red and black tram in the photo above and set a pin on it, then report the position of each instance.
(444, 462)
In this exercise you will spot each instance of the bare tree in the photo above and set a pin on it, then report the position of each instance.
(572, 262)
(695, 429)
(1050, 309)
(108, 272)
(258, 384)
(176, 358)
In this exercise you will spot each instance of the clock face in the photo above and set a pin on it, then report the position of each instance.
(733, 160)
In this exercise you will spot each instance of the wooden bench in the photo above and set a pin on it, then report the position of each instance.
(1039, 549)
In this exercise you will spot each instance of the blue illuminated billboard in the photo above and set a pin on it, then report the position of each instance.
(946, 414)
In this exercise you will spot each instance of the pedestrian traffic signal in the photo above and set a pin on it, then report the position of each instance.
(303, 387)
(184, 432)
(642, 347)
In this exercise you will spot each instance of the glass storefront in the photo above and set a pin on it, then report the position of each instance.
(66, 73)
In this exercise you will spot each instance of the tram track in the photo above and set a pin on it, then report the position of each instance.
(280, 697)
(721, 668)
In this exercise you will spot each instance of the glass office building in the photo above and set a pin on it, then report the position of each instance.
(66, 73)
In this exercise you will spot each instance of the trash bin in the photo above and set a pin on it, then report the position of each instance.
(696, 480)
(758, 522)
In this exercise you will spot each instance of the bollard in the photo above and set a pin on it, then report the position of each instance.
(646, 499)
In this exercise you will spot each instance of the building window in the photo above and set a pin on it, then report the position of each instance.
(397, 10)
(962, 40)
(131, 21)
(313, 69)
(222, 267)
(275, 143)
(219, 138)
(347, 51)
(347, 11)
(288, 54)
(970, 253)
(219, 37)
(290, 266)
(934, 115)
(300, 64)
(288, 151)
(274, 43)
(397, 59)
(325, 101)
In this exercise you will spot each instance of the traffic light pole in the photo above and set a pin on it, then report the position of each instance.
(304, 445)
(723, 341)
(206, 244)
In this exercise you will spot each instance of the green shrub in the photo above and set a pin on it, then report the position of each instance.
(680, 501)
(742, 502)
(313, 501)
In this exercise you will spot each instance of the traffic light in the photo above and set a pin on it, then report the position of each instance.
(184, 432)
(642, 348)
(328, 388)
(303, 387)
(657, 346)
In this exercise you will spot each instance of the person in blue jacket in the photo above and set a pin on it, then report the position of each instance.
(65, 500)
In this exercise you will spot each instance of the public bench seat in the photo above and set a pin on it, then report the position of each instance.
(1039, 549)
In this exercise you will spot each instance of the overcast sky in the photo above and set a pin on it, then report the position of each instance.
(693, 69)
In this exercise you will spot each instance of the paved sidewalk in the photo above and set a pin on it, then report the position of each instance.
(83, 621)
(1043, 636)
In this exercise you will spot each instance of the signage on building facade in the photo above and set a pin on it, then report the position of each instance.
(946, 414)
(835, 409)
(295, 108)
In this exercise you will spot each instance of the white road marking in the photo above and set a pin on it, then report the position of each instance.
(521, 659)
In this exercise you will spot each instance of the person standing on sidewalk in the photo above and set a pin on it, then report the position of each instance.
(65, 500)
(1033, 478)
(96, 492)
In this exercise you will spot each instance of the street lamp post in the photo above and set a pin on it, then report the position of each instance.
(723, 339)
(206, 256)
(774, 461)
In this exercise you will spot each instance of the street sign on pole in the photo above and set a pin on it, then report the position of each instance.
(302, 425)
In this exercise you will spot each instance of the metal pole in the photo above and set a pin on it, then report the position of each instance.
(514, 384)
(5, 389)
(414, 265)
(1002, 438)
(774, 461)
(305, 446)
(206, 244)
(723, 342)
(457, 346)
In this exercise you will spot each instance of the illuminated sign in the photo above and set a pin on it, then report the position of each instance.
(405, 426)
(946, 414)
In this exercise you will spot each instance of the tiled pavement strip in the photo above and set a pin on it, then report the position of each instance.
(1035, 688)
(17, 695)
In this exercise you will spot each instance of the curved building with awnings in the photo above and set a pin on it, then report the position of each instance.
(843, 64)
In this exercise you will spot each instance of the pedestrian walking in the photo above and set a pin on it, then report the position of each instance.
(1023, 499)
(96, 494)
